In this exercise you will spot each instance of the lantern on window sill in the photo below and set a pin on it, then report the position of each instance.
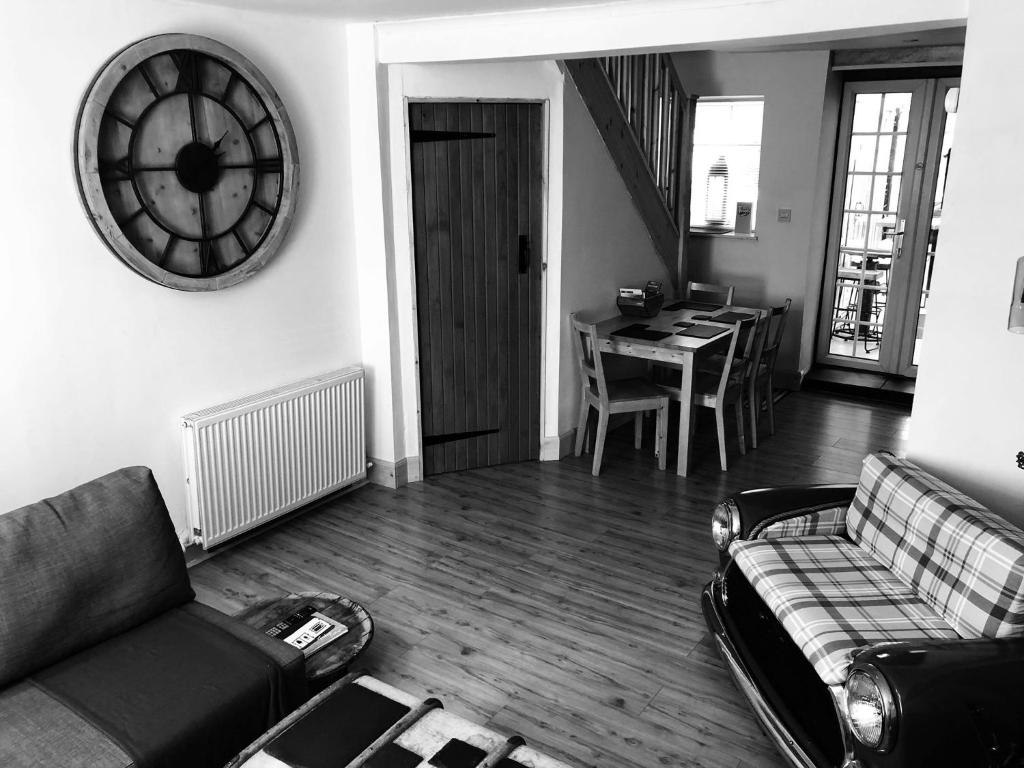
(717, 190)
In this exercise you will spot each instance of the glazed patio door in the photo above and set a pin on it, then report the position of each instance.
(895, 145)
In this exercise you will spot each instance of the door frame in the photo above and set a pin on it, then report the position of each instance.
(903, 356)
(410, 84)
(913, 164)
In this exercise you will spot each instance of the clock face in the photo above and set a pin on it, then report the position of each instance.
(186, 162)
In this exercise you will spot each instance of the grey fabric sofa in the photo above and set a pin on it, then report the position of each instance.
(106, 659)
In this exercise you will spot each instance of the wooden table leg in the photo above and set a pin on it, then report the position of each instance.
(685, 417)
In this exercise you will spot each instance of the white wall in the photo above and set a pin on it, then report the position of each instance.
(605, 243)
(968, 418)
(99, 363)
(368, 142)
(774, 267)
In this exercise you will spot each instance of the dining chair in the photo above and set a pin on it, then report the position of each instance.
(761, 380)
(633, 395)
(718, 389)
(710, 292)
(753, 350)
(752, 335)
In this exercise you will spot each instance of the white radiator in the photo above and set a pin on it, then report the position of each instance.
(253, 459)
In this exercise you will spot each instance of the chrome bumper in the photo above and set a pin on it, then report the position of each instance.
(711, 600)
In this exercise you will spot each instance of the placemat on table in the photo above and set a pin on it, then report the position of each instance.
(641, 331)
(732, 317)
(700, 305)
(703, 331)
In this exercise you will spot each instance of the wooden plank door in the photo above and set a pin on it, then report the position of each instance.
(477, 219)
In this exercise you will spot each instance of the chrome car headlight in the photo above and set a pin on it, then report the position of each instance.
(870, 708)
(725, 524)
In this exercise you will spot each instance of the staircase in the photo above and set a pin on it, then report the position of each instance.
(646, 121)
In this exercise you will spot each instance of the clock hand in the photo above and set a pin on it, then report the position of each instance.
(192, 116)
(218, 141)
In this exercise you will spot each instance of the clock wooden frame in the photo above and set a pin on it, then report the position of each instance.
(220, 210)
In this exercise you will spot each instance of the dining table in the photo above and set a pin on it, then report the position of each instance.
(671, 338)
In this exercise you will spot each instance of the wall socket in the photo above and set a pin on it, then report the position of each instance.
(786, 214)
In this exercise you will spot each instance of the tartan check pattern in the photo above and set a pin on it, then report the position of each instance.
(960, 558)
(821, 522)
(834, 599)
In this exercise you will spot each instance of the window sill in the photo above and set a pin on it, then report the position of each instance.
(701, 232)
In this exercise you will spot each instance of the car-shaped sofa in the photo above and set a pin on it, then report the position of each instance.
(876, 625)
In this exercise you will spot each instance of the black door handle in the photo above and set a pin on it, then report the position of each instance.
(524, 254)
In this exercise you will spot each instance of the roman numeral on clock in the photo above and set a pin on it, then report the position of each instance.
(187, 63)
(268, 165)
(241, 241)
(116, 170)
(207, 258)
(259, 165)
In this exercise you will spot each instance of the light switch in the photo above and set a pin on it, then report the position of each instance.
(785, 214)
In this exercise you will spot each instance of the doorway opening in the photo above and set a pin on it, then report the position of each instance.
(895, 144)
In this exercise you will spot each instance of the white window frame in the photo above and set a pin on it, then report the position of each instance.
(698, 223)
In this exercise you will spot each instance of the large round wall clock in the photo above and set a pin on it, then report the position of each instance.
(186, 162)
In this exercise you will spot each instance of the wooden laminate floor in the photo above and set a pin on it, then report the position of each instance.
(538, 599)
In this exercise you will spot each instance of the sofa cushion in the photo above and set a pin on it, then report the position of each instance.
(84, 566)
(964, 561)
(834, 599)
(37, 731)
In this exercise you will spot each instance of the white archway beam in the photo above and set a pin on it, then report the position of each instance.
(648, 25)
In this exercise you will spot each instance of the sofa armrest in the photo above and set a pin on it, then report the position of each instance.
(750, 513)
(959, 702)
(287, 657)
(762, 507)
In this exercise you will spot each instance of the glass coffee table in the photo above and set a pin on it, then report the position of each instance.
(330, 662)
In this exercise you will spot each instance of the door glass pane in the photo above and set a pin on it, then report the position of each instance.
(880, 230)
(945, 153)
(865, 114)
(897, 153)
(886, 198)
(884, 159)
(890, 153)
(851, 259)
(855, 230)
(862, 153)
(896, 112)
(858, 192)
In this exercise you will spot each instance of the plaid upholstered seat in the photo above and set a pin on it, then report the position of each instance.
(833, 598)
(960, 558)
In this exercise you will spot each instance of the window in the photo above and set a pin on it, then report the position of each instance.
(726, 160)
